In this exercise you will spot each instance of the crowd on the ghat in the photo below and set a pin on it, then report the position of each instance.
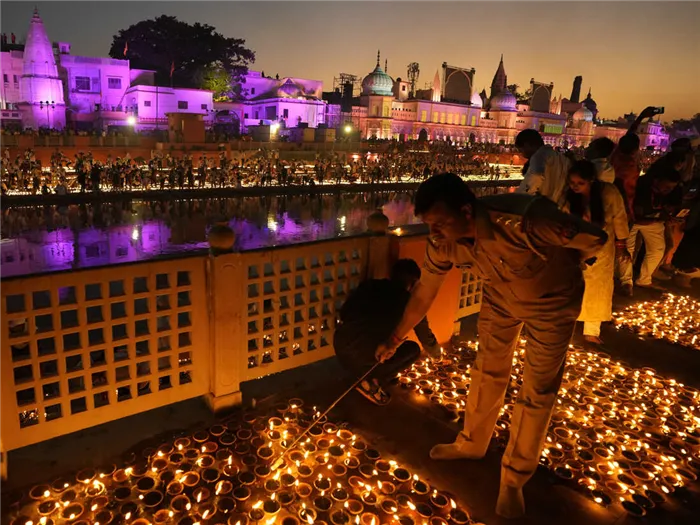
(25, 174)
(659, 211)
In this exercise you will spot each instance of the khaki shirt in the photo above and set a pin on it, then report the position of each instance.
(525, 249)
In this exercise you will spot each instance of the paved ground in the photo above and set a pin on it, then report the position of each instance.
(407, 428)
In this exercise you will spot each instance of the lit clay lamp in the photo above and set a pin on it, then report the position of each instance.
(285, 497)
(241, 493)
(389, 506)
(339, 494)
(322, 483)
(303, 490)
(307, 515)
(72, 512)
(180, 503)
(152, 499)
(237, 519)
(322, 503)
(419, 487)
(160, 517)
(262, 471)
(382, 466)
(246, 478)
(201, 494)
(175, 488)
(354, 506)
(352, 462)
(190, 479)
(223, 487)
(368, 518)
(340, 517)
(439, 501)
(272, 486)
(287, 479)
(290, 520)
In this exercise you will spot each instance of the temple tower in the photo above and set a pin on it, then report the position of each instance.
(41, 89)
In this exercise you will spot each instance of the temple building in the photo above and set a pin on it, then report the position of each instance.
(453, 109)
(44, 86)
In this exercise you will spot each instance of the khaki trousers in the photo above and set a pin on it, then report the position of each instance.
(655, 241)
(549, 331)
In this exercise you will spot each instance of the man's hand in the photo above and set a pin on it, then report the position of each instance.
(624, 255)
(384, 352)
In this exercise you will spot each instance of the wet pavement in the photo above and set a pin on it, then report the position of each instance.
(406, 429)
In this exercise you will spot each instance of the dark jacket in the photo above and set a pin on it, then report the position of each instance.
(369, 317)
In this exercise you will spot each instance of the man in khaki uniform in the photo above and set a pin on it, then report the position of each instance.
(529, 254)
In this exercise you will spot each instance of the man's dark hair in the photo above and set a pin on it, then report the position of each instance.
(447, 188)
(603, 147)
(529, 136)
(405, 271)
(629, 143)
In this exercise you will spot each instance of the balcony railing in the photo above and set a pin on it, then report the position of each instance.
(86, 347)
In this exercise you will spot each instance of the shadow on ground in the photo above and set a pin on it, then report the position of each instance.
(407, 428)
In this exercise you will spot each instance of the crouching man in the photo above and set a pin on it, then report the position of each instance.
(368, 318)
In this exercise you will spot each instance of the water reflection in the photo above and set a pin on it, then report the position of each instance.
(37, 240)
(47, 239)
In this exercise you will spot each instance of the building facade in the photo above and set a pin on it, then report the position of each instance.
(44, 86)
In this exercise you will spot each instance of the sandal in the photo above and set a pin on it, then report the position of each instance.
(374, 393)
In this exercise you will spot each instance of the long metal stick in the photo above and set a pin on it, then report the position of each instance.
(279, 460)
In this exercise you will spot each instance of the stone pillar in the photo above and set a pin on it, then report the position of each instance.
(227, 299)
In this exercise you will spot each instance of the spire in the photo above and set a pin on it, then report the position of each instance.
(378, 58)
(386, 66)
(589, 93)
(500, 79)
(36, 12)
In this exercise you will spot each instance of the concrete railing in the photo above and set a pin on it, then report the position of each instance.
(86, 347)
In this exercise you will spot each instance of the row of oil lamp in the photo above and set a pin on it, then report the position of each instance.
(624, 435)
(675, 319)
(223, 476)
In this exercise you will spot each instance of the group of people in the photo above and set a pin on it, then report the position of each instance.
(605, 188)
(547, 255)
(83, 173)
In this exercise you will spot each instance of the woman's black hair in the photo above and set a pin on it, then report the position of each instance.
(587, 171)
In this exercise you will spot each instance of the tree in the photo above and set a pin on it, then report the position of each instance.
(215, 78)
(181, 53)
(522, 98)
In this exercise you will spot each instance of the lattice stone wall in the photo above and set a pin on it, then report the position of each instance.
(83, 348)
(292, 297)
(469, 295)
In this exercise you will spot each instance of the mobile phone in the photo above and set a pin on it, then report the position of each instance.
(659, 110)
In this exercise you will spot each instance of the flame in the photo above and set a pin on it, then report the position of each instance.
(452, 502)
(258, 504)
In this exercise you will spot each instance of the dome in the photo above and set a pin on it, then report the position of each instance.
(589, 103)
(378, 83)
(476, 101)
(505, 100)
(583, 113)
(289, 89)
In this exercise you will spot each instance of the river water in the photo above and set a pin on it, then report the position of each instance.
(47, 239)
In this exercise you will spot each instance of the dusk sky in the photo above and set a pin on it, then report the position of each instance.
(631, 54)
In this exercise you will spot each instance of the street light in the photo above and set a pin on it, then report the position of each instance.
(47, 104)
(348, 128)
(131, 120)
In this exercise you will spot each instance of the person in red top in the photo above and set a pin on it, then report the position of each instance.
(625, 161)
